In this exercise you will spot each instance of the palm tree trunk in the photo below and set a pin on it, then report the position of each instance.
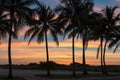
(10, 75)
(47, 54)
(104, 64)
(101, 42)
(84, 62)
(73, 55)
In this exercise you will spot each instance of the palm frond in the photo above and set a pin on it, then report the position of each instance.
(113, 42)
(118, 45)
(34, 34)
(40, 37)
(98, 50)
(29, 32)
(68, 29)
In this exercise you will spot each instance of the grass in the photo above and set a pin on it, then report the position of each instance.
(15, 78)
(60, 76)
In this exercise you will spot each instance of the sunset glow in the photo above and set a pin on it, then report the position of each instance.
(35, 53)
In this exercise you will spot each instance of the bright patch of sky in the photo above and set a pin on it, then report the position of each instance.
(103, 3)
(52, 3)
(100, 3)
(62, 54)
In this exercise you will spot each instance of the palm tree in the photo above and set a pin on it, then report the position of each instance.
(105, 25)
(45, 25)
(110, 19)
(67, 17)
(72, 14)
(98, 31)
(18, 11)
(85, 33)
(83, 28)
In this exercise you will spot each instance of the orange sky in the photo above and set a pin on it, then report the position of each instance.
(24, 54)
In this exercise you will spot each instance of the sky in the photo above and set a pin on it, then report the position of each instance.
(35, 53)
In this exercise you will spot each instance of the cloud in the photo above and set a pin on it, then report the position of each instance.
(51, 3)
(97, 9)
(118, 0)
(57, 1)
(117, 11)
(22, 31)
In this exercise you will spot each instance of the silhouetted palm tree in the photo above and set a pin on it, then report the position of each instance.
(110, 19)
(73, 14)
(98, 31)
(18, 11)
(85, 28)
(66, 18)
(45, 25)
(104, 26)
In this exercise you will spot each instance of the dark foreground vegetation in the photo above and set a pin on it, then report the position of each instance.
(65, 76)
(56, 66)
(15, 78)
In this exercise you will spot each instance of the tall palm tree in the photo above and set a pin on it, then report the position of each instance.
(67, 17)
(72, 14)
(45, 25)
(105, 23)
(110, 19)
(98, 31)
(83, 27)
(85, 33)
(18, 11)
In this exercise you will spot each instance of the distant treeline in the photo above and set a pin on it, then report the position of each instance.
(56, 66)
